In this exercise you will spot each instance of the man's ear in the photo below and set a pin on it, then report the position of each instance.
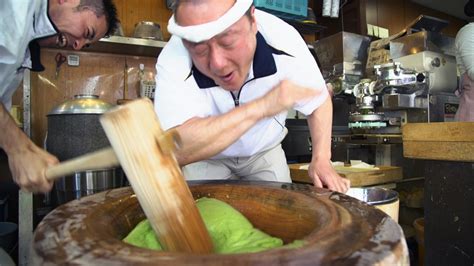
(253, 21)
(252, 13)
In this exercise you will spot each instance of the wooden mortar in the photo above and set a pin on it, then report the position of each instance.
(336, 229)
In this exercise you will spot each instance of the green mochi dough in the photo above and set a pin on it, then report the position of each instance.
(230, 231)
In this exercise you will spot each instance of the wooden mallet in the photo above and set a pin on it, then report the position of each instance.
(153, 172)
(146, 155)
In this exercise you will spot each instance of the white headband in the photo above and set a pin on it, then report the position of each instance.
(204, 32)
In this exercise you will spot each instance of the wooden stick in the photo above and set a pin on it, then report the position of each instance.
(151, 167)
(101, 159)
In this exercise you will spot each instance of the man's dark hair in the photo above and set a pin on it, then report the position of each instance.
(104, 7)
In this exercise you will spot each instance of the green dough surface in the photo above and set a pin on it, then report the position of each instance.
(230, 231)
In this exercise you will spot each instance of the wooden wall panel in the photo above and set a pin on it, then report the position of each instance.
(413, 10)
(391, 15)
(349, 19)
(133, 11)
(98, 74)
(371, 11)
(395, 15)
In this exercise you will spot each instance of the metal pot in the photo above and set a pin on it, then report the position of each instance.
(73, 130)
(148, 30)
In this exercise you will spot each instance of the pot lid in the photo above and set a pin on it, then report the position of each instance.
(82, 104)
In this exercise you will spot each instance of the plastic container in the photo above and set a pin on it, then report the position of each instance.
(419, 225)
(297, 8)
(147, 88)
(147, 82)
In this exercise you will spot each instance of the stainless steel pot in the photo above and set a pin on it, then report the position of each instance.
(384, 199)
(148, 30)
(73, 130)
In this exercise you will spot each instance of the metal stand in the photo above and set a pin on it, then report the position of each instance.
(25, 201)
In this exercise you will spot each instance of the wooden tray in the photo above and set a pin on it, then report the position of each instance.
(358, 177)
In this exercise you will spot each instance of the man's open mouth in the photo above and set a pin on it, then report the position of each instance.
(227, 77)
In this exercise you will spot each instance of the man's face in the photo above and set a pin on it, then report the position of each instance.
(226, 57)
(76, 28)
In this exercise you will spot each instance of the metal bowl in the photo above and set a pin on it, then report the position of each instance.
(148, 30)
(373, 195)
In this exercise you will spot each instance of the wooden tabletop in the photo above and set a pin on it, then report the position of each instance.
(451, 141)
(358, 177)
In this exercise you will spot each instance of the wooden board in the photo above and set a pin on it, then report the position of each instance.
(453, 141)
(358, 177)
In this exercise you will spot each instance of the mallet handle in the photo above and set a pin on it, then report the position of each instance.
(101, 159)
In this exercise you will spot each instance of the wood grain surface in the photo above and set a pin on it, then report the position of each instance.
(335, 229)
(453, 141)
(98, 73)
(358, 177)
(153, 172)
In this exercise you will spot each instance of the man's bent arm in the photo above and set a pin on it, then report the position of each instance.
(27, 161)
(11, 136)
(203, 138)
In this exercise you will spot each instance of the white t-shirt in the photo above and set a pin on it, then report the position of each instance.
(22, 21)
(465, 50)
(183, 92)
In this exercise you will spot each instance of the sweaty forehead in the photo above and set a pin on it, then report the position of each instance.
(195, 12)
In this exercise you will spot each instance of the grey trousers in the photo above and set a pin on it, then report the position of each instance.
(269, 165)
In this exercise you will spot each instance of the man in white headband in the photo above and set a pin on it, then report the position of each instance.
(225, 81)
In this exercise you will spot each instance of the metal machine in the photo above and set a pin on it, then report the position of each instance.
(408, 77)
(342, 59)
(413, 80)
(412, 88)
